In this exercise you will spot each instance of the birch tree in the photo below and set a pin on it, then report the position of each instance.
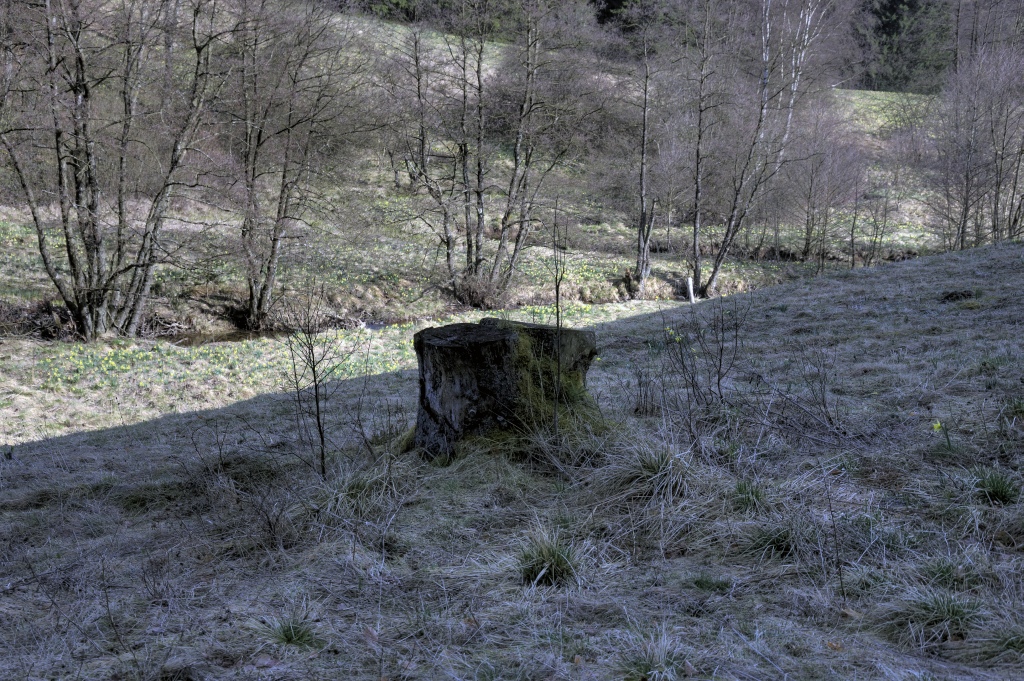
(98, 155)
(789, 34)
(490, 123)
(296, 73)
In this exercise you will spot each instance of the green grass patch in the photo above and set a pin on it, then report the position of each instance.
(996, 487)
(548, 558)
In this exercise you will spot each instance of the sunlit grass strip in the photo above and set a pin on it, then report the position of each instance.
(262, 363)
(255, 364)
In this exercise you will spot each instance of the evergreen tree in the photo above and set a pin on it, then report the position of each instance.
(908, 44)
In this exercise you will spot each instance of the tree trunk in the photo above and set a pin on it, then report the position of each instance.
(477, 378)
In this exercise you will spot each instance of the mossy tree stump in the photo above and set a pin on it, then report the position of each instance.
(477, 378)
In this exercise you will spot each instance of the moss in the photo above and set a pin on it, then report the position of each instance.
(406, 442)
(543, 385)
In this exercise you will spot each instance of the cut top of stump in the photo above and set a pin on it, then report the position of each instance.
(476, 378)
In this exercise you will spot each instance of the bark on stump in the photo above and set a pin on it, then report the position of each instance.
(476, 378)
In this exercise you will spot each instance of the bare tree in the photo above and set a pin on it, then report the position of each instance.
(984, 26)
(644, 17)
(960, 164)
(294, 74)
(1004, 132)
(790, 35)
(98, 156)
(887, 190)
(822, 176)
(466, 116)
(977, 140)
(716, 88)
(647, 141)
(703, 59)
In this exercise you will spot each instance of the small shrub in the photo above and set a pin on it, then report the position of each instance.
(996, 488)
(548, 559)
(645, 399)
(655, 657)
(931, 616)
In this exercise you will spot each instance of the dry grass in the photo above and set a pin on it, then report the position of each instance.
(805, 519)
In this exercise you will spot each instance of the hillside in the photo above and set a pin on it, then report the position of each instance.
(843, 503)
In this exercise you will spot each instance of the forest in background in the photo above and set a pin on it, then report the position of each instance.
(159, 149)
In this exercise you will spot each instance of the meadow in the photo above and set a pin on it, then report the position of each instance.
(817, 475)
(819, 479)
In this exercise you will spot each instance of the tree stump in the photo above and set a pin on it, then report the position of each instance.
(477, 378)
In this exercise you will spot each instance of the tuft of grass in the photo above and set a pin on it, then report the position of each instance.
(1010, 643)
(549, 559)
(933, 616)
(654, 657)
(576, 445)
(152, 495)
(958, 296)
(954, 575)
(1014, 408)
(989, 367)
(649, 472)
(863, 581)
(294, 630)
(1001, 643)
(712, 584)
(781, 537)
(749, 497)
(500, 672)
(996, 487)
(366, 494)
(771, 541)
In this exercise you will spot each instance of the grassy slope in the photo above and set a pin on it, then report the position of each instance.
(170, 541)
